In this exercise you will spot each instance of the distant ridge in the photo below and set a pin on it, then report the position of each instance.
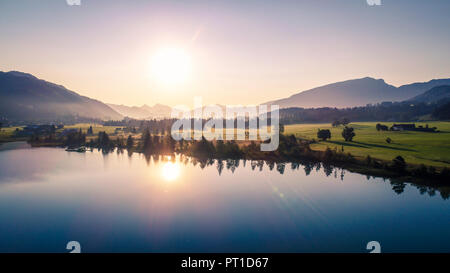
(438, 94)
(157, 111)
(25, 97)
(357, 92)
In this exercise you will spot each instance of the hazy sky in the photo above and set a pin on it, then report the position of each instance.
(241, 52)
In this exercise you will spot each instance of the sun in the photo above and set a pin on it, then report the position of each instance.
(171, 66)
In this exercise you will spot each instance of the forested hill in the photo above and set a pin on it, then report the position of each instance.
(25, 97)
(357, 92)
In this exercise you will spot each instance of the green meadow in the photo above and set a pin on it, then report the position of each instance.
(96, 128)
(7, 133)
(415, 147)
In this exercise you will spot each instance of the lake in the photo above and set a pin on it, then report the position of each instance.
(129, 203)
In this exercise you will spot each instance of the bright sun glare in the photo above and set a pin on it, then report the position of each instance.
(171, 66)
(170, 171)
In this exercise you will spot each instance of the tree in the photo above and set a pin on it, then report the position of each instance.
(232, 150)
(348, 133)
(120, 142)
(220, 148)
(345, 121)
(169, 144)
(90, 131)
(130, 142)
(156, 144)
(399, 164)
(203, 148)
(442, 112)
(381, 127)
(323, 134)
(103, 139)
(147, 141)
(368, 160)
(181, 144)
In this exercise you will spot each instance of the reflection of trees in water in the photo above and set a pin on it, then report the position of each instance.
(281, 167)
(327, 169)
(220, 166)
(232, 164)
(398, 187)
(338, 173)
(308, 168)
(432, 191)
(258, 165)
(253, 165)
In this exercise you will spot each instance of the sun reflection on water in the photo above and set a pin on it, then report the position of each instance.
(170, 171)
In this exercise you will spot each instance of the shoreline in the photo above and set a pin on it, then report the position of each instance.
(350, 164)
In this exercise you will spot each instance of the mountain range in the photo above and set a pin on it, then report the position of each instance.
(157, 111)
(357, 92)
(25, 97)
(438, 94)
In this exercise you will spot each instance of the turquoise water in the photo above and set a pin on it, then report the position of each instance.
(120, 203)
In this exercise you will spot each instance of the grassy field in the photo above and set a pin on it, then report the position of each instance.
(415, 147)
(96, 128)
(6, 134)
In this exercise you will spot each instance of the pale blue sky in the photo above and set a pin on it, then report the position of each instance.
(246, 51)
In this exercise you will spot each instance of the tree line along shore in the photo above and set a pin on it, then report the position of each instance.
(338, 147)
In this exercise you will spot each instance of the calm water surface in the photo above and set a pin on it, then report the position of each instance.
(121, 203)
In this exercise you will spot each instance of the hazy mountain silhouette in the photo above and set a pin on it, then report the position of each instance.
(357, 92)
(25, 97)
(143, 112)
(438, 94)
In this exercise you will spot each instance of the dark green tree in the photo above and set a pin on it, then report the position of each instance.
(203, 149)
(220, 148)
(345, 121)
(103, 140)
(399, 164)
(348, 133)
(323, 134)
(130, 142)
(147, 143)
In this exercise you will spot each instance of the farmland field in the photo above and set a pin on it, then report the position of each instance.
(415, 147)
(7, 133)
(96, 128)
